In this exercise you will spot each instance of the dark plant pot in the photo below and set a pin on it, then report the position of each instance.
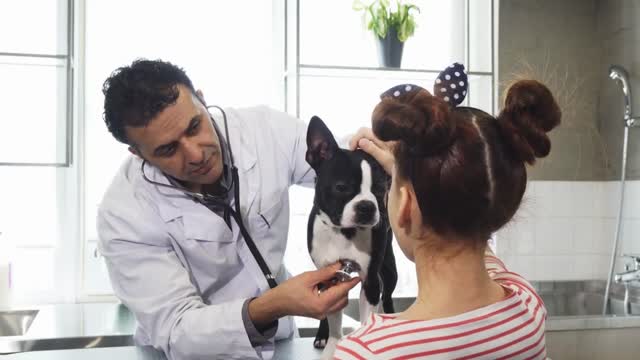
(390, 50)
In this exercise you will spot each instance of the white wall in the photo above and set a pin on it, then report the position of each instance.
(565, 230)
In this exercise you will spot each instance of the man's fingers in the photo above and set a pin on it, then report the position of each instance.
(338, 291)
(338, 306)
(324, 274)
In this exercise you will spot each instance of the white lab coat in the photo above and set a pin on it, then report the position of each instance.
(140, 225)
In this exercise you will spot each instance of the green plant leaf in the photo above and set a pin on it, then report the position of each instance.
(379, 17)
(381, 21)
(358, 5)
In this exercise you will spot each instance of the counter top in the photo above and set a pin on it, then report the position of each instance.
(300, 348)
(96, 325)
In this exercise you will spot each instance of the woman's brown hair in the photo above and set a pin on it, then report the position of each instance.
(467, 167)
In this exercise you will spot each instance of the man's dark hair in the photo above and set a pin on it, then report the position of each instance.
(135, 94)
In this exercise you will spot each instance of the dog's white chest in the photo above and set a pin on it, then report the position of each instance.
(330, 245)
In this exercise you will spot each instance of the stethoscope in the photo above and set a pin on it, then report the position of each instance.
(220, 200)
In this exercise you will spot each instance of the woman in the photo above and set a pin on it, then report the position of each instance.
(458, 176)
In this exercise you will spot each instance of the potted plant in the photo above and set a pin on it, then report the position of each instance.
(392, 26)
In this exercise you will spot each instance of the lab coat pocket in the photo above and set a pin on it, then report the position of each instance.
(269, 231)
(211, 249)
(263, 220)
(207, 226)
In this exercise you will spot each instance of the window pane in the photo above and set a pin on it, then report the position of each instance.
(481, 92)
(480, 30)
(33, 273)
(33, 129)
(438, 40)
(231, 62)
(345, 100)
(36, 26)
(95, 272)
(29, 214)
(236, 71)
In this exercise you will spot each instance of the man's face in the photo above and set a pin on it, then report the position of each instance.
(181, 141)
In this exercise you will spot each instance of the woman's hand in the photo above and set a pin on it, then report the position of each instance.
(369, 143)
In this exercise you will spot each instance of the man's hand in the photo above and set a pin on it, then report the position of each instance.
(380, 150)
(299, 296)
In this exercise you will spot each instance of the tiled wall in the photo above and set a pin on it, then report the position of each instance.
(565, 230)
(618, 29)
(556, 42)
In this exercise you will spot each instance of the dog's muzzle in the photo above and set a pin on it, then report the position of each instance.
(365, 213)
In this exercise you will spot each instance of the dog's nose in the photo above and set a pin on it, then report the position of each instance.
(365, 211)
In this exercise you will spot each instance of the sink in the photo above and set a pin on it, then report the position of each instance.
(16, 323)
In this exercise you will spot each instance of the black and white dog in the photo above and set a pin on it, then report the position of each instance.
(348, 222)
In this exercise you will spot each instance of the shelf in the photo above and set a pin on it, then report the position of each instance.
(374, 72)
(322, 91)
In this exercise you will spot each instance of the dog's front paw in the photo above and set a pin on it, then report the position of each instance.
(321, 335)
(319, 343)
(329, 349)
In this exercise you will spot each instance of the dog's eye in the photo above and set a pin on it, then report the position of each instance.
(341, 188)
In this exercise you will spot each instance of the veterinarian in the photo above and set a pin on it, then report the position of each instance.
(194, 226)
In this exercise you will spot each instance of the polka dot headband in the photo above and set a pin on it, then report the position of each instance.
(451, 86)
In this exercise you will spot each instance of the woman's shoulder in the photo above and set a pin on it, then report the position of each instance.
(355, 346)
(521, 287)
(387, 334)
(511, 281)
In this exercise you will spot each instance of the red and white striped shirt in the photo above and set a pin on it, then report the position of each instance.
(512, 328)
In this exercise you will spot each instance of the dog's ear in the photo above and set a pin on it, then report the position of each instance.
(321, 145)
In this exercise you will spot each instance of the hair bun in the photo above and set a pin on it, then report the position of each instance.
(529, 113)
(417, 119)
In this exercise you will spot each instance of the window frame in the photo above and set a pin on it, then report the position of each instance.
(70, 66)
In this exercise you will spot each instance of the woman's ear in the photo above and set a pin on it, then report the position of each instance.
(404, 208)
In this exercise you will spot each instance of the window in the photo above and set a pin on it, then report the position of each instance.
(36, 72)
(334, 74)
(35, 68)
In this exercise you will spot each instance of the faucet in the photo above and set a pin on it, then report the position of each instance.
(628, 276)
(617, 72)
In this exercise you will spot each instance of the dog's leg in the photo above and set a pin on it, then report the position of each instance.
(389, 275)
(335, 334)
(365, 308)
(322, 335)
